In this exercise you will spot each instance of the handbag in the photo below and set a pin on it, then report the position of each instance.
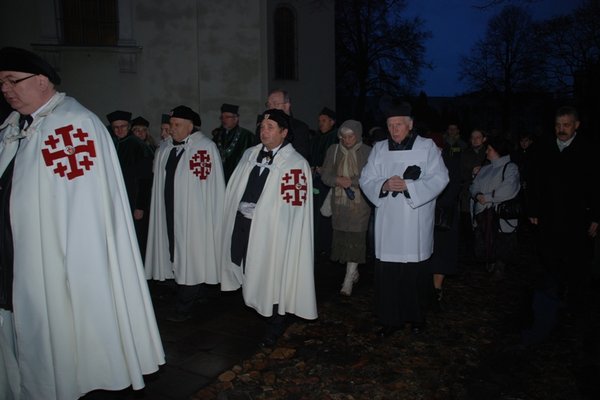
(326, 207)
(509, 209)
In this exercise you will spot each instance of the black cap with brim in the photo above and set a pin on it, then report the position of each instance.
(21, 60)
(186, 113)
(230, 108)
(278, 116)
(401, 109)
(118, 116)
(164, 118)
(140, 121)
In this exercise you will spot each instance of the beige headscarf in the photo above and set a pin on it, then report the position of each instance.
(348, 165)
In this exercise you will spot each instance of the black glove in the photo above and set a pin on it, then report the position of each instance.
(412, 172)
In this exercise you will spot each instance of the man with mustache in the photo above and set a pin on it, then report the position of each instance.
(563, 203)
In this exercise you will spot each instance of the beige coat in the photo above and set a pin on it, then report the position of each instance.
(347, 219)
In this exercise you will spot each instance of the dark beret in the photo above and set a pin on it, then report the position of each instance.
(21, 60)
(402, 109)
(329, 112)
(186, 113)
(140, 121)
(230, 108)
(164, 118)
(118, 116)
(278, 116)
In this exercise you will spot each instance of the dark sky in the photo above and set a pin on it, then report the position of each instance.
(456, 25)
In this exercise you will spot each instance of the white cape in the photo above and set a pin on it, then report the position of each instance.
(279, 266)
(198, 214)
(404, 227)
(82, 319)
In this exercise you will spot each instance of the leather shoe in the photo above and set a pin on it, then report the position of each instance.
(179, 317)
(268, 341)
(387, 331)
(417, 329)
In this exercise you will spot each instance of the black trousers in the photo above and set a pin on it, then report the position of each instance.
(402, 292)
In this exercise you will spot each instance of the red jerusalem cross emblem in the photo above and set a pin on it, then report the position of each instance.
(294, 187)
(200, 164)
(69, 153)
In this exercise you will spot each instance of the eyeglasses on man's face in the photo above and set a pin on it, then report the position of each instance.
(270, 105)
(11, 83)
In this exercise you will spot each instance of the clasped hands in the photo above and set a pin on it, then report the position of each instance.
(395, 184)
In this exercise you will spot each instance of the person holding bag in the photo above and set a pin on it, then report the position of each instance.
(350, 211)
(495, 183)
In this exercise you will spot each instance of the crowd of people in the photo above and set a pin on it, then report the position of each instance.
(89, 212)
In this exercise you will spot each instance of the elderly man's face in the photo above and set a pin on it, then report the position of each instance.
(120, 128)
(271, 134)
(399, 127)
(165, 131)
(180, 128)
(23, 91)
(229, 120)
(325, 123)
(565, 127)
(277, 101)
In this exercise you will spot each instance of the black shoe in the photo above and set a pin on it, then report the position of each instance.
(436, 303)
(179, 317)
(417, 328)
(268, 340)
(387, 331)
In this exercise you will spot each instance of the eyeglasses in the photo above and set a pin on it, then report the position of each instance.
(11, 83)
(273, 105)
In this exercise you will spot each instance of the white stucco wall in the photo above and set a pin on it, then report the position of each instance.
(315, 87)
(200, 53)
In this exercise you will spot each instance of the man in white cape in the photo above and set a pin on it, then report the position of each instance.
(76, 314)
(402, 179)
(186, 211)
(267, 242)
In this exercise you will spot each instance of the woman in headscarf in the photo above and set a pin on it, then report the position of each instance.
(350, 210)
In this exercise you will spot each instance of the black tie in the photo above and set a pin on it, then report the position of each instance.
(25, 119)
(169, 195)
(176, 143)
(265, 154)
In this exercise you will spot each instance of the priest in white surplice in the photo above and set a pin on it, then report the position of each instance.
(402, 178)
(267, 245)
(186, 211)
(75, 312)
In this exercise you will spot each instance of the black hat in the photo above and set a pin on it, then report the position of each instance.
(401, 109)
(140, 121)
(186, 113)
(164, 119)
(329, 112)
(21, 60)
(118, 116)
(230, 108)
(278, 116)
